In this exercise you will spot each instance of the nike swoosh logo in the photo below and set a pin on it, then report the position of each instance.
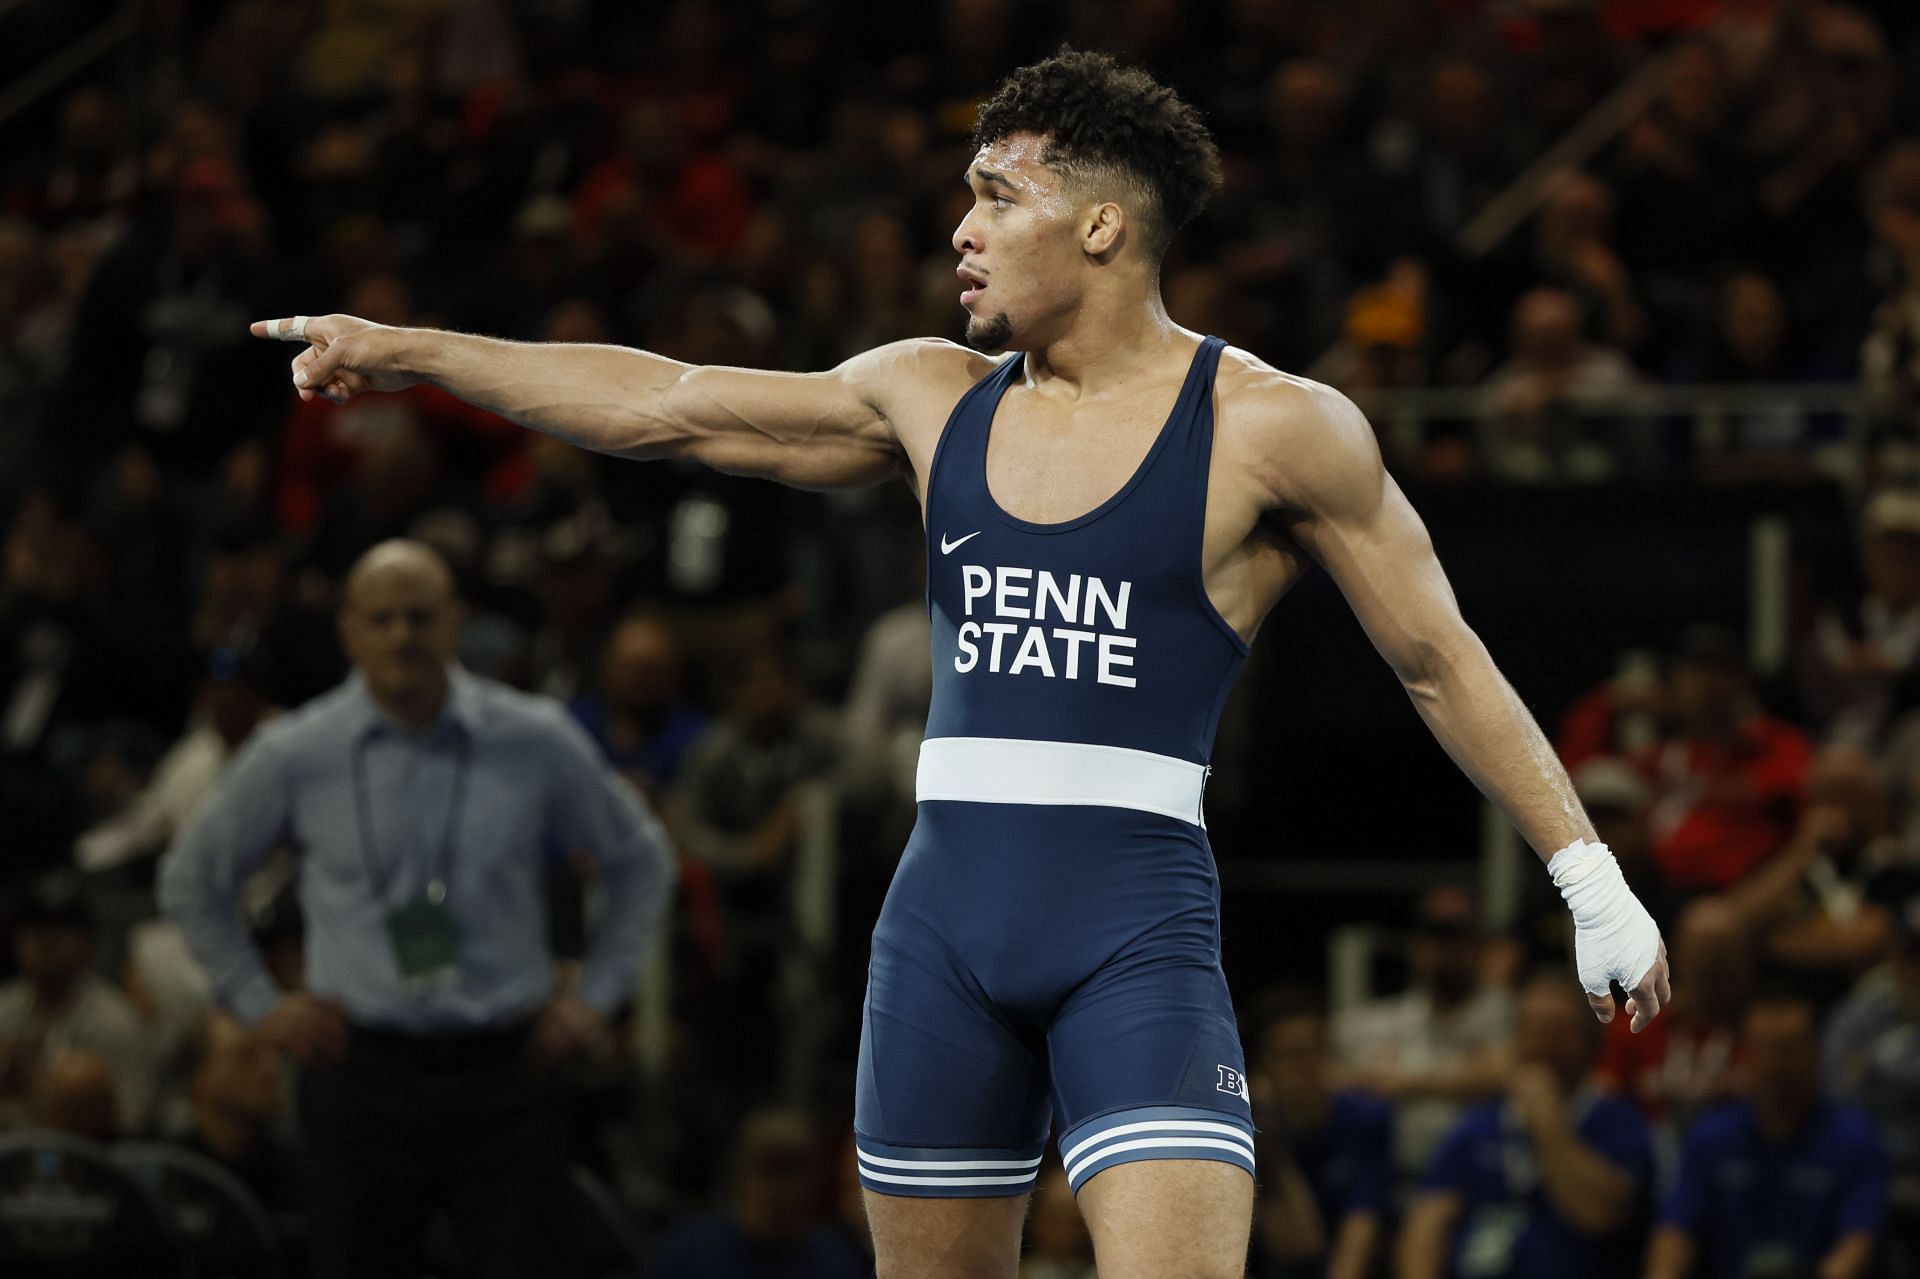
(948, 548)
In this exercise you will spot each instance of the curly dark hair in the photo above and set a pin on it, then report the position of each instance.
(1100, 116)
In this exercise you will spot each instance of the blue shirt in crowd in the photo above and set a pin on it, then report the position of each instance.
(1507, 1225)
(657, 759)
(714, 1247)
(480, 802)
(1749, 1204)
(1348, 1161)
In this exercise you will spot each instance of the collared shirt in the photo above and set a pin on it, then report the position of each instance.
(366, 805)
(1749, 1204)
(1508, 1226)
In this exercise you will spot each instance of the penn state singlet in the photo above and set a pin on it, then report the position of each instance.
(1048, 956)
(1096, 630)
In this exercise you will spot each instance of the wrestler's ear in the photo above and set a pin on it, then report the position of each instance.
(1104, 230)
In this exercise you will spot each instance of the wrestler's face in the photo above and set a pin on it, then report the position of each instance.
(1021, 258)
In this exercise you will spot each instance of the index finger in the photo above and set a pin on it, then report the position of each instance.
(289, 329)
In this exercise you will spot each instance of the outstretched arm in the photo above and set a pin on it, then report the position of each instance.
(836, 429)
(1341, 506)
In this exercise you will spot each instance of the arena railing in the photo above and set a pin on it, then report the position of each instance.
(1828, 420)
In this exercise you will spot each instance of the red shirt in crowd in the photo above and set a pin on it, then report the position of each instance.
(1720, 810)
(1674, 1065)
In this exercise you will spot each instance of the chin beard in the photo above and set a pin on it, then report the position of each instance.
(989, 336)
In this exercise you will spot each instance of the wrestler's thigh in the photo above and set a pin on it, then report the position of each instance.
(916, 1238)
(1169, 1219)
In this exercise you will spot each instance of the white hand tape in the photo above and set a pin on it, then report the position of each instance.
(294, 330)
(1614, 936)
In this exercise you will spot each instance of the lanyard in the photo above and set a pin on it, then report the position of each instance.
(377, 878)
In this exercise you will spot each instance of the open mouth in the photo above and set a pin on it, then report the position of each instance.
(974, 284)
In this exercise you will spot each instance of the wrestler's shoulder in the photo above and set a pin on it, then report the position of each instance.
(914, 364)
(1262, 412)
(915, 382)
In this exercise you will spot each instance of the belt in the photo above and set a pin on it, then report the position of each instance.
(1013, 770)
(443, 1050)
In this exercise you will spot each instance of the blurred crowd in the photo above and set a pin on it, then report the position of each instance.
(775, 184)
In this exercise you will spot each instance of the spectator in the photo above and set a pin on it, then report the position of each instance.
(255, 604)
(1890, 356)
(1619, 718)
(1860, 666)
(1871, 1056)
(638, 717)
(1675, 172)
(1463, 157)
(160, 341)
(1727, 785)
(887, 699)
(322, 444)
(1781, 1182)
(744, 801)
(58, 1004)
(737, 810)
(1553, 368)
(427, 804)
(1381, 339)
(1752, 340)
(1808, 907)
(230, 705)
(75, 1095)
(1573, 250)
(1689, 1057)
(771, 1228)
(1440, 1045)
(1329, 1181)
(1552, 1179)
(238, 1091)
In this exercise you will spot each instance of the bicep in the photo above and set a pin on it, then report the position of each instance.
(812, 430)
(804, 429)
(1347, 512)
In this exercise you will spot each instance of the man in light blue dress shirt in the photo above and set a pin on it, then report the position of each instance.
(426, 806)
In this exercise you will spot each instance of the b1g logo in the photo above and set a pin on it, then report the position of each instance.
(1233, 1083)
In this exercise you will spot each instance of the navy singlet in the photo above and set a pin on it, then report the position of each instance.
(1049, 951)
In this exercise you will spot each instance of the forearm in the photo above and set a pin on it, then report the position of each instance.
(1763, 897)
(1484, 1075)
(1828, 945)
(1422, 1251)
(1354, 1247)
(1484, 727)
(638, 887)
(1670, 1256)
(1586, 1190)
(208, 914)
(607, 398)
(1849, 1258)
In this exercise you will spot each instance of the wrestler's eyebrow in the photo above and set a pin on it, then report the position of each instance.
(986, 175)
